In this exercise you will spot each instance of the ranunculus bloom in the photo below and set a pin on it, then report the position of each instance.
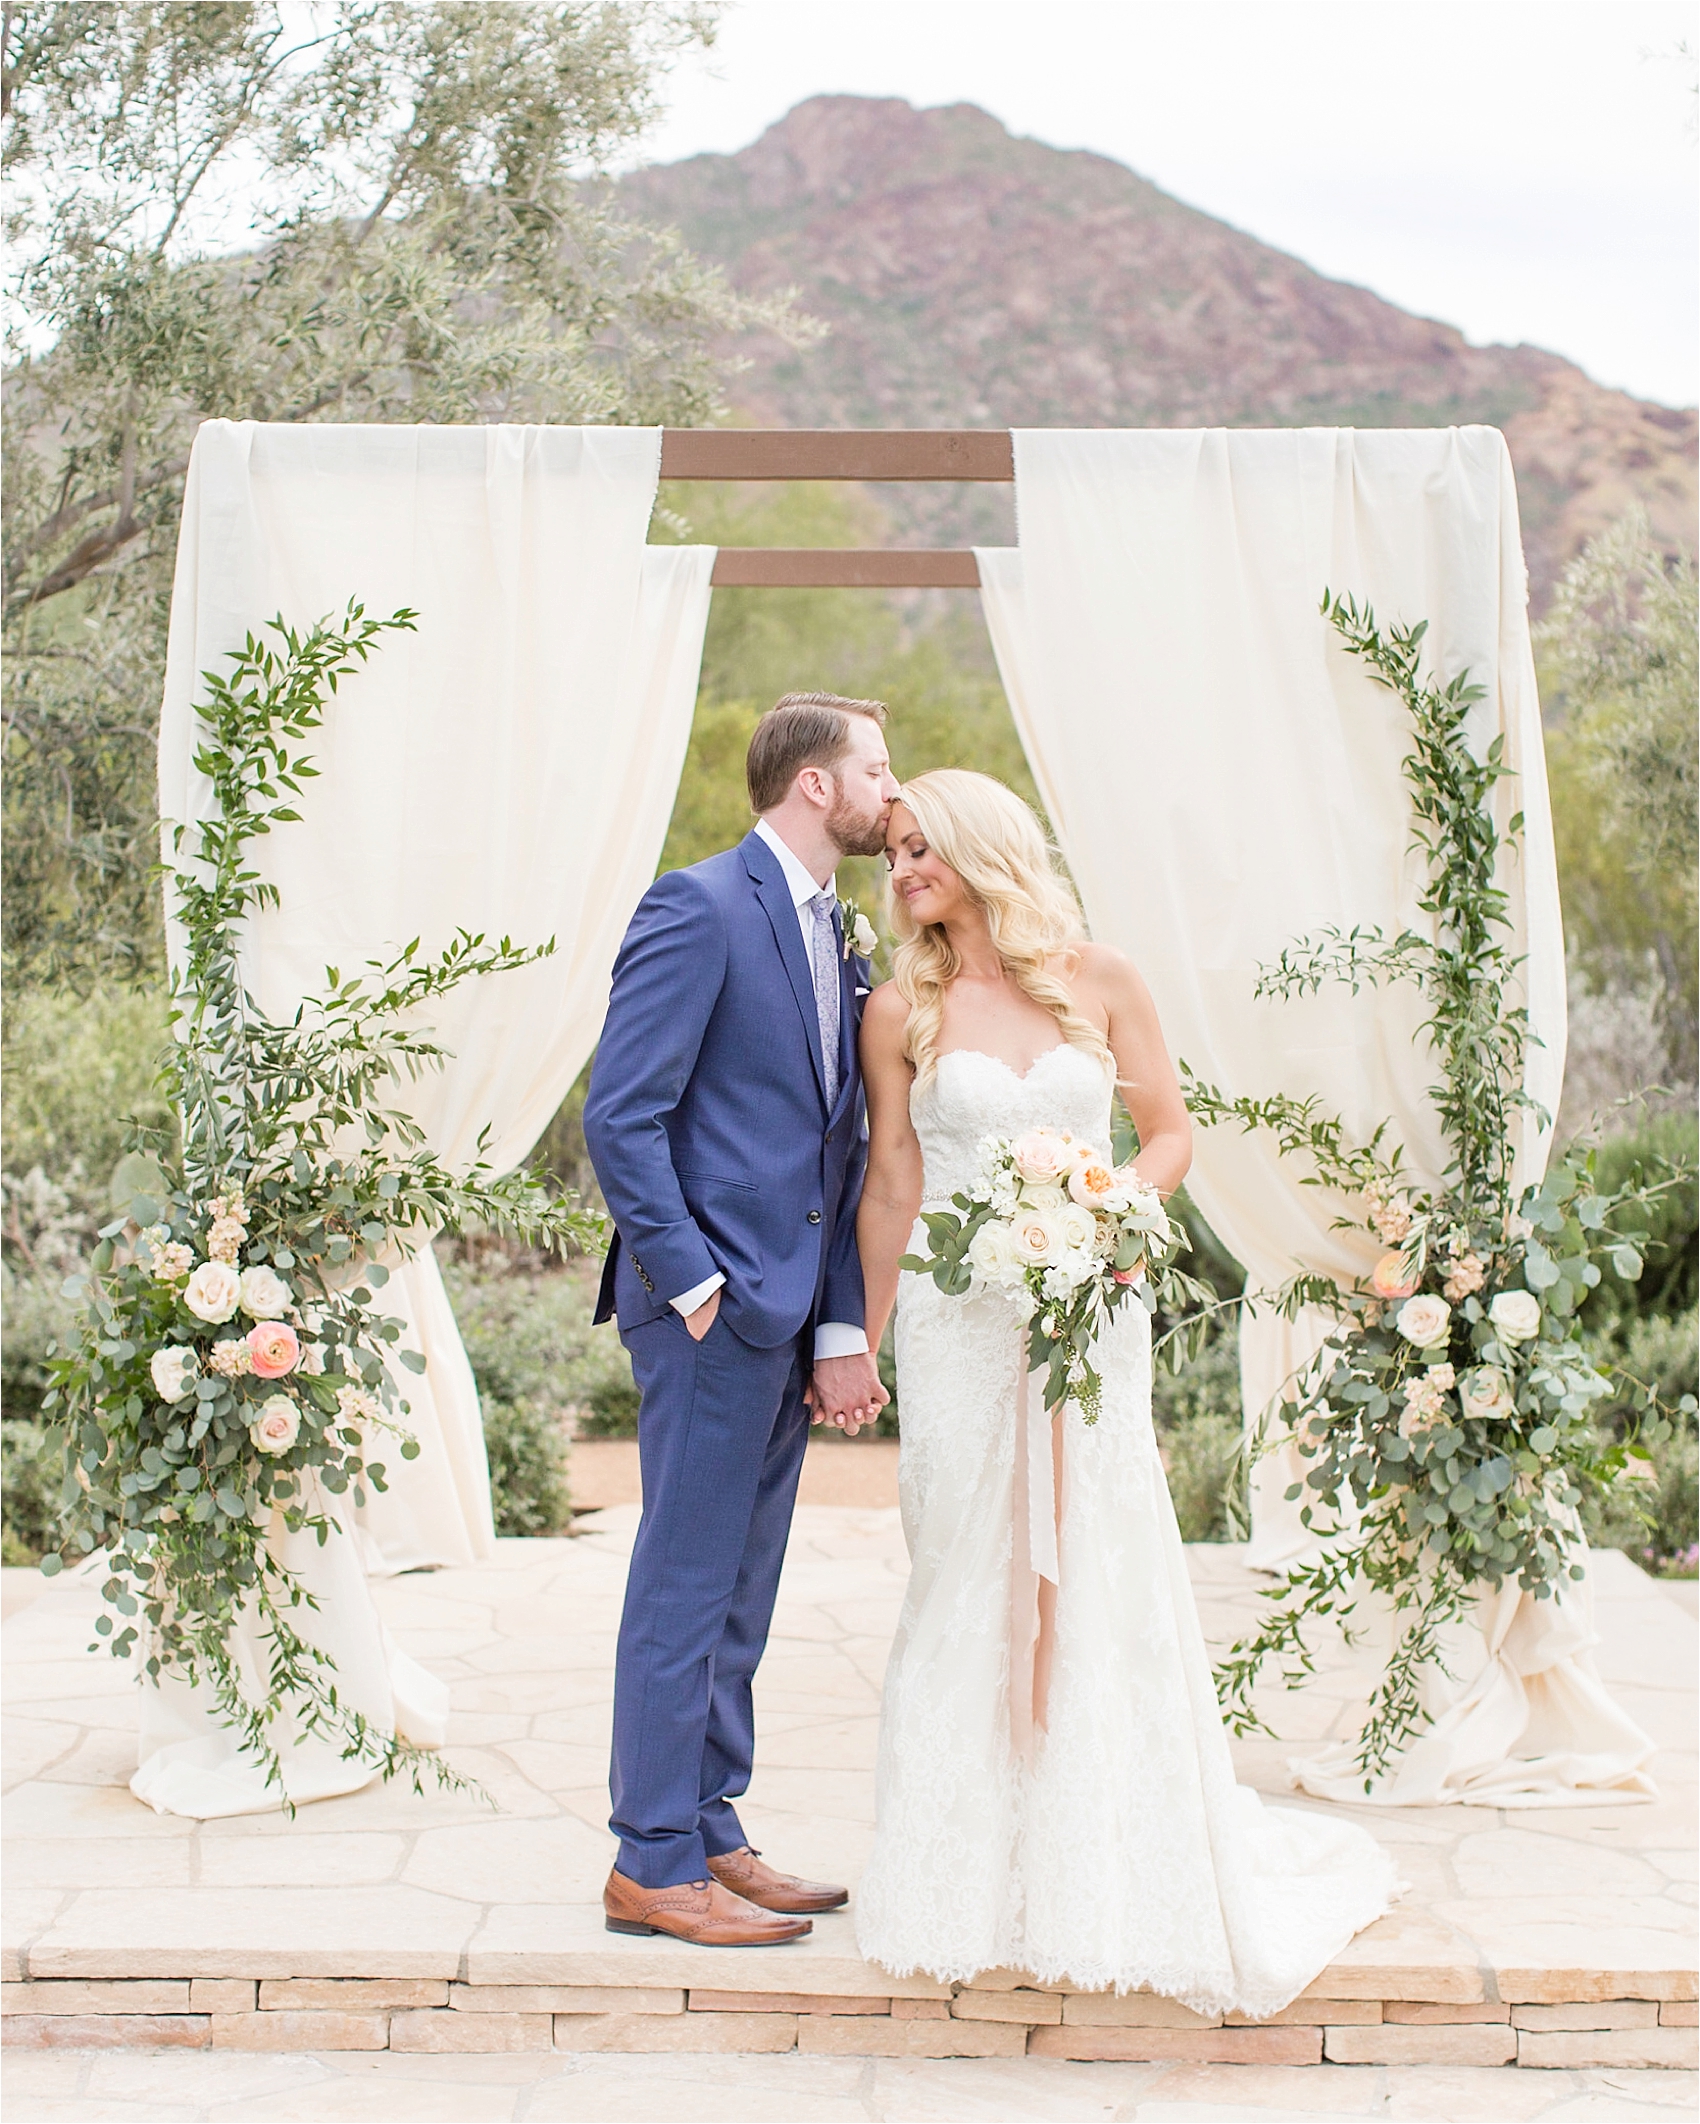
(1043, 1156)
(1486, 1393)
(1390, 1279)
(172, 1370)
(264, 1294)
(277, 1426)
(1424, 1320)
(273, 1349)
(1517, 1315)
(213, 1292)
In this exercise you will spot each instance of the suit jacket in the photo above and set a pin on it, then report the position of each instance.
(706, 1118)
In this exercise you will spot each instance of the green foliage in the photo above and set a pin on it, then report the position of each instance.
(77, 1069)
(376, 210)
(188, 1443)
(924, 654)
(32, 1470)
(1200, 1431)
(528, 1467)
(1450, 1417)
(1670, 1248)
(37, 1314)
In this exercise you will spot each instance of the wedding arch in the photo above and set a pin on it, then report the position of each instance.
(1219, 778)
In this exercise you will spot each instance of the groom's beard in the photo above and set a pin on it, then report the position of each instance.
(854, 834)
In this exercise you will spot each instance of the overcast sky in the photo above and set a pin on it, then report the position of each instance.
(1524, 169)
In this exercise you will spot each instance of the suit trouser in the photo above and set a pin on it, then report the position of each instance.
(721, 1434)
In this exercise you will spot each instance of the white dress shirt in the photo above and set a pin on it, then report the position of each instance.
(833, 1338)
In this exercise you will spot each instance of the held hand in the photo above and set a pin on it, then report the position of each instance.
(846, 1391)
(699, 1322)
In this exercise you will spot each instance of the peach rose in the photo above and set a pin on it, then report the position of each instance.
(273, 1349)
(1391, 1278)
(1094, 1185)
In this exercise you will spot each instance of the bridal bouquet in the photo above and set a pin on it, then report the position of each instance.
(1066, 1236)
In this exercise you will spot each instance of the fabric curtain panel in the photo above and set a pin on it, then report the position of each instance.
(1222, 777)
(509, 768)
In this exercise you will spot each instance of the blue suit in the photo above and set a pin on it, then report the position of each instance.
(708, 1126)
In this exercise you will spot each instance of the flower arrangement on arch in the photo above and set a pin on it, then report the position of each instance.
(1447, 1417)
(1067, 1236)
(234, 1362)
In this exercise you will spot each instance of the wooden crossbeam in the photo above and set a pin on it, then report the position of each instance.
(845, 568)
(838, 453)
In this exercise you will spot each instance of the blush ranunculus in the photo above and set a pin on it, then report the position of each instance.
(273, 1349)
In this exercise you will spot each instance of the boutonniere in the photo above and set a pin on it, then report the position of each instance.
(859, 933)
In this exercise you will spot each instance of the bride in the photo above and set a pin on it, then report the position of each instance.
(1055, 1793)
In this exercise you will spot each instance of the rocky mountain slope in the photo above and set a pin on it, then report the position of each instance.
(973, 279)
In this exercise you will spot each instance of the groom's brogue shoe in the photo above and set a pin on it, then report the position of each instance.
(702, 1912)
(746, 1874)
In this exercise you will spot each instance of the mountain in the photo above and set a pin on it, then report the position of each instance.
(973, 279)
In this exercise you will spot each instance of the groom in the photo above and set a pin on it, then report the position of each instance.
(725, 1122)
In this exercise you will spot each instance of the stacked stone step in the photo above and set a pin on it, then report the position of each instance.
(1539, 2019)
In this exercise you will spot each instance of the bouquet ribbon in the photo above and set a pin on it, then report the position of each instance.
(1033, 1578)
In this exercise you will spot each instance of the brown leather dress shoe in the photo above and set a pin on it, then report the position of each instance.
(746, 1874)
(702, 1912)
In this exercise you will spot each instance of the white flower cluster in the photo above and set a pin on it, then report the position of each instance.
(1060, 1213)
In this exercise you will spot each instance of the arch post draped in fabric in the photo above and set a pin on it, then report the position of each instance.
(509, 768)
(1222, 777)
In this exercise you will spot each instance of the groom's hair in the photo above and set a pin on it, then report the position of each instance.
(802, 730)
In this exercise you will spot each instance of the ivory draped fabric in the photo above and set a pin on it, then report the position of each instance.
(1222, 778)
(509, 768)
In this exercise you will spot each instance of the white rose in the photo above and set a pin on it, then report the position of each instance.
(863, 941)
(1517, 1315)
(172, 1371)
(265, 1295)
(1043, 1156)
(1424, 1320)
(277, 1426)
(1076, 1227)
(1046, 1197)
(1035, 1235)
(1486, 1393)
(992, 1253)
(213, 1292)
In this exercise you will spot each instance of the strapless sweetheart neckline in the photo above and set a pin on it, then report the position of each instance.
(1021, 1076)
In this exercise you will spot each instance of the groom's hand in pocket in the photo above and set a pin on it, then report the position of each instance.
(846, 1391)
(697, 1324)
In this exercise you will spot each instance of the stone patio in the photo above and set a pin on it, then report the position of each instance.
(388, 1923)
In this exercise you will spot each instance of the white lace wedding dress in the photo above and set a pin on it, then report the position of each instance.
(1055, 1793)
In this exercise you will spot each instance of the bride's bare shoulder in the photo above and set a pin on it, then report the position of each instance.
(885, 1014)
(1109, 975)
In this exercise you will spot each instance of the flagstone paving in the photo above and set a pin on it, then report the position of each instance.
(45, 2088)
(1561, 1937)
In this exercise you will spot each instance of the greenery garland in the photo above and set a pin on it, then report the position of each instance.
(233, 1364)
(1447, 1417)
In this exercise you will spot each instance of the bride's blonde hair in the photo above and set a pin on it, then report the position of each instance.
(993, 842)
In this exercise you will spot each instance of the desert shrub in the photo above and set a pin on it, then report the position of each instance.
(1667, 1282)
(33, 1313)
(527, 1448)
(77, 1068)
(1197, 1414)
(32, 1467)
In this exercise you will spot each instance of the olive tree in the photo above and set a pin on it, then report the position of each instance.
(362, 210)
